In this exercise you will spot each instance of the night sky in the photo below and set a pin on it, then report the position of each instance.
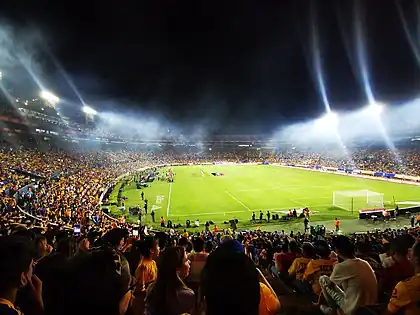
(248, 65)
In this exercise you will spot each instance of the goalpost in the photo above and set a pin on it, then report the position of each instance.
(357, 199)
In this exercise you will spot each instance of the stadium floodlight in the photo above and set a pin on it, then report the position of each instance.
(89, 110)
(375, 108)
(330, 119)
(49, 97)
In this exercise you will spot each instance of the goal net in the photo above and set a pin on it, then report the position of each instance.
(357, 199)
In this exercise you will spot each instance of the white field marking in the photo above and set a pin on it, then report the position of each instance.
(237, 200)
(291, 207)
(283, 187)
(169, 200)
(306, 198)
(208, 213)
(299, 203)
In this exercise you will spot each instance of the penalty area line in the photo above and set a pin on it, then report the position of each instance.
(206, 213)
(169, 200)
(237, 200)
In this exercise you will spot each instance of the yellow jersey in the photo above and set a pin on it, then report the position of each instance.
(317, 268)
(269, 303)
(146, 273)
(406, 296)
(298, 267)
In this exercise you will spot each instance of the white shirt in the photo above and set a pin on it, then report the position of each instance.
(358, 281)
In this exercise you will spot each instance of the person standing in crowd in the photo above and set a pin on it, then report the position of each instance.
(152, 214)
(229, 268)
(146, 271)
(261, 215)
(198, 260)
(169, 295)
(352, 283)
(306, 224)
(16, 273)
(162, 222)
(406, 294)
(337, 225)
(268, 216)
(142, 195)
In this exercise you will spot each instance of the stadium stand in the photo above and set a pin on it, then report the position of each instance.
(61, 254)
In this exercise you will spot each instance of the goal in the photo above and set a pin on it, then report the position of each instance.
(357, 199)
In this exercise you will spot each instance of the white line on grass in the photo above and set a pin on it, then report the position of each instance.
(169, 200)
(299, 203)
(291, 207)
(208, 213)
(237, 200)
(282, 187)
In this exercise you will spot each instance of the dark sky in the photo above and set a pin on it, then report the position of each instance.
(247, 65)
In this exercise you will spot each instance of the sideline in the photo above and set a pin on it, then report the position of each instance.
(237, 200)
(169, 200)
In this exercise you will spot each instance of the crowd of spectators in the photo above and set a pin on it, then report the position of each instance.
(48, 268)
(67, 185)
(107, 270)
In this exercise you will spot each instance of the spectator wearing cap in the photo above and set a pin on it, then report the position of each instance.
(168, 294)
(352, 283)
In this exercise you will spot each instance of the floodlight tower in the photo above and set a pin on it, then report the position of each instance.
(49, 98)
(89, 113)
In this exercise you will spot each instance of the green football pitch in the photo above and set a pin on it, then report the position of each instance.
(244, 189)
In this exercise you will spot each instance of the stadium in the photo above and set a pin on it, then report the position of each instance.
(240, 202)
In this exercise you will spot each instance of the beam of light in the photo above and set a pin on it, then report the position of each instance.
(329, 120)
(358, 19)
(49, 97)
(66, 77)
(411, 39)
(361, 52)
(89, 110)
(316, 59)
(375, 109)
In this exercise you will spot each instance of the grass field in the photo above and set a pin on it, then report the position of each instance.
(247, 188)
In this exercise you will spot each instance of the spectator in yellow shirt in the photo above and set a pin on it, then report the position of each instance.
(146, 271)
(319, 267)
(298, 268)
(406, 295)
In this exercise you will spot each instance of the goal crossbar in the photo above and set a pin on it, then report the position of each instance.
(357, 199)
